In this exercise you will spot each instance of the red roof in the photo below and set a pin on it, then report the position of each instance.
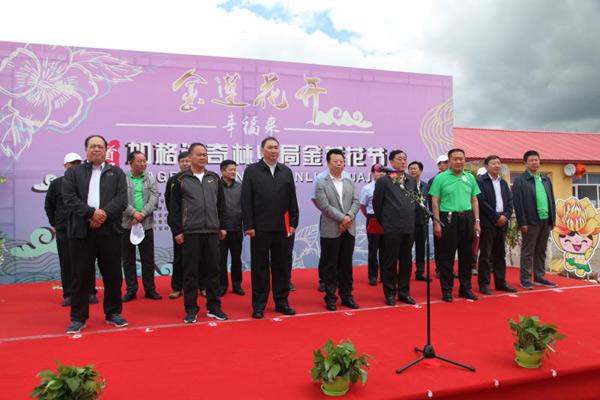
(561, 147)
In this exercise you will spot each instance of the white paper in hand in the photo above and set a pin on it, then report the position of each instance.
(137, 234)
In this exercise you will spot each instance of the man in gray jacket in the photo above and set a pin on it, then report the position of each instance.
(142, 201)
(196, 216)
(337, 199)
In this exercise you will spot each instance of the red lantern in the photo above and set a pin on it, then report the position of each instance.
(579, 170)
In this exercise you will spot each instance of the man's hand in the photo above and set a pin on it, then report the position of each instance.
(524, 229)
(292, 231)
(477, 228)
(99, 216)
(94, 224)
(179, 238)
(250, 232)
(502, 221)
(222, 234)
(138, 216)
(437, 230)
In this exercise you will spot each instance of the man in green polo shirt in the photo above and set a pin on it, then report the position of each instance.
(534, 204)
(454, 202)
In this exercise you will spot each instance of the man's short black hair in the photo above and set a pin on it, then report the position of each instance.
(87, 139)
(393, 154)
(334, 151)
(265, 140)
(490, 158)
(227, 163)
(530, 153)
(418, 163)
(455, 150)
(194, 145)
(183, 154)
(131, 156)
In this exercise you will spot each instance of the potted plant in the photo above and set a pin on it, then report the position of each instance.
(70, 383)
(338, 365)
(533, 340)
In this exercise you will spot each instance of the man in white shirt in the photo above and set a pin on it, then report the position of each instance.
(374, 234)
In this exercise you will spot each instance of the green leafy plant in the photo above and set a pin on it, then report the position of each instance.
(70, 383)
(341, 360)
(533, 336)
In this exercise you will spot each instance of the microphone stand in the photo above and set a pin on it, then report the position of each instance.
(427, 351)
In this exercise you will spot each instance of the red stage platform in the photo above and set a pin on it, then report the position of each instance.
(158, 357)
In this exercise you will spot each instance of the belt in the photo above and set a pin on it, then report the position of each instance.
(458, 213)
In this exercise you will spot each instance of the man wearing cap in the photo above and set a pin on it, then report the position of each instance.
(95, 193)
(442, 164)
(496, 207)
(454, 199)
(374, 229)
(58, 217)
(142, 201)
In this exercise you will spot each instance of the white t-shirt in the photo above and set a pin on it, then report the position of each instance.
(93, 199)
(339, 187)
(200, 176)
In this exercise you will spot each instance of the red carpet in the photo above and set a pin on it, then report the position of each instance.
(157, 357)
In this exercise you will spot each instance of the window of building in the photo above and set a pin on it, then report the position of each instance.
(587, 186)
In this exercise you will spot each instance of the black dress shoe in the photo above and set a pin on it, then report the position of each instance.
(153, 296)
(330, 306)
(390, 301)
(321, 287)
(128, 297)
(256, 314)
(285, 310)
(406, 299)
(238, 290)
(467, 294)
(421, 277)
(447, 297)
(485, 290)
(373, 281)
(507, 288)
(350, 303)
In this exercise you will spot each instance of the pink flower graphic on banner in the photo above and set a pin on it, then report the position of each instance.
(54, 87)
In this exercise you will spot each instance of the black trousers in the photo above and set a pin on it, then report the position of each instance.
(177, 273)
(66, 270)
(492, 256)
(201, 257)
(375, 244)
(290, 255)
(397, 263)
(336, 254)
(436, 253)
(457, 235)
(421, 232)
(269, 251)
(84, 253)
(146, 248)
(231, 244)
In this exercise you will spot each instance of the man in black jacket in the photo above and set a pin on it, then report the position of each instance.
(177, 274)
(268, 194)
(58, 217)
(396, 213)
(495, 210)
(95, 193)
(535, 210)
(415, 169)
(196, 217)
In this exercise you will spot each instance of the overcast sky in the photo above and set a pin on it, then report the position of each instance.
(517, 64)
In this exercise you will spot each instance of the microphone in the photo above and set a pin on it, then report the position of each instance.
(383, 168)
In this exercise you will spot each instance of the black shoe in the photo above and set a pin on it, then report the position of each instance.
(285, 310)
(238, 290)
(66, 301)
(93, 299)
(116, 320)
(190, 318)
(544, 282)
(292, 287)
(330, 306)
(217, 314)
(350, 303)
(153, 296)
(373, 281)
(467, 294)
(447, 297)
(507, 288)
(406, 299)
(256, 314)
(421, 277)
(485, 290)
(75, 327)
(321, 287)
(390, 300)
(128, 297)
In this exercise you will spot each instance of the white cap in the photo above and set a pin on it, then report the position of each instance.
(70, 157)
(442, 158)
(481, 171)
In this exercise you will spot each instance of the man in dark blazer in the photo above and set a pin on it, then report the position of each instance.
(268, 194)
(95, 193)
(495, 211)
(336, 198)
(415, 169)
(396, 213)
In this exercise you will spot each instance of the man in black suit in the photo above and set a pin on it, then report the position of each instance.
(95, 193)
(268, 193)
(415, 169)
(496, 207)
